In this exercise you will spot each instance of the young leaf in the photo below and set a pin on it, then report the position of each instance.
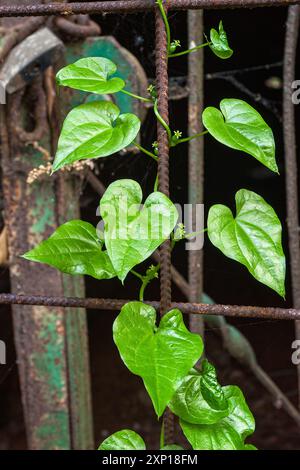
(219, 43)
(161, 356)
(253, 237)
(211, 389)
(74, 248)
(229, 432)
(91, 74)
(132, 234)
(218, 436)
(190, 405)
(241, 127)
(123, 440)
(94, 130)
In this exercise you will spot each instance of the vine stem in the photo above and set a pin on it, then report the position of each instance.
(166, 22)
(188, 51)
(136, 274)
(194, 234)
(162, 436)
(156, 183)
(147, 152)
(187, 139)
(142, 290)
(146, 280)
(141, 98)
(162, 121)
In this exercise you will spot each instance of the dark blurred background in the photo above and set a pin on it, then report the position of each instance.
(119, 399)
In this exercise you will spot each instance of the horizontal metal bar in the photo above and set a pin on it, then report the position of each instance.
(116, 304)
(133, 6)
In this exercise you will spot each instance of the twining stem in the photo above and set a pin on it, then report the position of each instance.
(167, 26)
(147, 152)
(185, 236)
(156, 183)
(162, 435)
(141, 98)
(151, 274)
(187, 139)
(162, 121)
(194, 234)
(187, 51)
(142, 290)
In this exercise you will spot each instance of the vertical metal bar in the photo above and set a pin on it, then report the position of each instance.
(161, 61)
(163, 149)
(291, 176)
(196, 157)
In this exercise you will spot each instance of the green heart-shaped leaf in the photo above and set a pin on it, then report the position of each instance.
(94, 130)
(161, 356)
(253, 237)
(191, 406)
(74, 248)
(241, 127)
(219, 43)
(132, 234)
(91, 74)
(123, 440)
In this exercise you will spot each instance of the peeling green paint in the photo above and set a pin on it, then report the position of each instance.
(43, 218)
(53, 430)
(49, 360)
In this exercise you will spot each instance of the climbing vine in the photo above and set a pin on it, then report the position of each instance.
(211, 416)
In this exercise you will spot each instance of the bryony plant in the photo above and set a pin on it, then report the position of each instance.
(164, 356)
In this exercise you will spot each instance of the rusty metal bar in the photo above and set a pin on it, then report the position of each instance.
(290, 152)
(239, 311)
(196, 158)
(162, 87)
(161, 62)
(133, 6)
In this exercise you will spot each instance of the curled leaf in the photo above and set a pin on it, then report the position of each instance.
(210, 387)
(190, 404)
(219, 43)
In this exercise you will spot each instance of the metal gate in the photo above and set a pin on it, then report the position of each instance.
(192, 289)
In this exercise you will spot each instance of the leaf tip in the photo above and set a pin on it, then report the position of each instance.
(27, 256)
(54, 169)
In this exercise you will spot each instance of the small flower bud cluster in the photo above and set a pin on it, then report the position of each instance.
(43, 170)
